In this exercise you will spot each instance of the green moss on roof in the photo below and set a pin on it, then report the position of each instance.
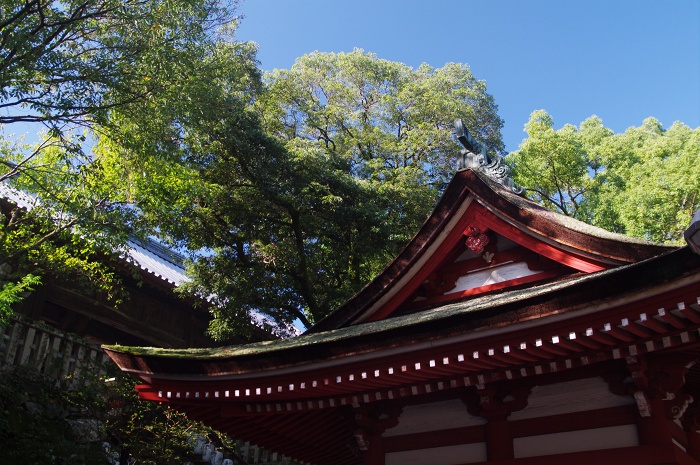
(375, 327)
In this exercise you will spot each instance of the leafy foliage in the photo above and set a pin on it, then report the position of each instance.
(150, 432)
(384, 119)
(71, 61)
(66, 66)
(12, 292)
(56, 224)
(295, 193)
(644, 182)
(36, 415)
(45, 421)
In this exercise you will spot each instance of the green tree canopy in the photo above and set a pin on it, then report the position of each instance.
(644, 182)
(294, 193)
(383, 118)
(67, 66)
(73, 60)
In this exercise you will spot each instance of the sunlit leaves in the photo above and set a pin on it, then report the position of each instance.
(380, 116)
(293, 203)
(74, 68)
(12, 292)
(71, 61)
(557, 160)
(661, 181)
(643, 182)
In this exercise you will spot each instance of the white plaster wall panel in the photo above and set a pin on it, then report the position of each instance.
(576, 441)
(449, 455)
(491, 276)
(572, 396)
(434, 416)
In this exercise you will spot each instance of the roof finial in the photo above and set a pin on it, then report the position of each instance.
(476, 156)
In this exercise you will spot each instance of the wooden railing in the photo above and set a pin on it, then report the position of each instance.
(246, 453)
(49, 351)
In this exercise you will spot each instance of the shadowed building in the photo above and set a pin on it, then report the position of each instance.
(503, 333)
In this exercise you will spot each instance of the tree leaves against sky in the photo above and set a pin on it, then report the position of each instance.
(644, 182)
(298, 189)
(65, 66)
(291, 190)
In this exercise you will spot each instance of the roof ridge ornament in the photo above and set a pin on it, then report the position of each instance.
(474, 155)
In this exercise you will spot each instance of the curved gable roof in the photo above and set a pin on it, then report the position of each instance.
(473, 199)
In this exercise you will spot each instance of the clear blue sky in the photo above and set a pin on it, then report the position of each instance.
(623, 60)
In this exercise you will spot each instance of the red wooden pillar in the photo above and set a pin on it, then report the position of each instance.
(652, 425)
(499, 441)
(491, 405)
(371, 422)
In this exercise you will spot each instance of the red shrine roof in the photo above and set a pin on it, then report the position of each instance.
(624, 290)
(493, 287)
(473, 201)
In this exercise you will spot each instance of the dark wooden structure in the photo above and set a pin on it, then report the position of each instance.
(152, 314)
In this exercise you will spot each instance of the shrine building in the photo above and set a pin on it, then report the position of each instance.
(503, 333)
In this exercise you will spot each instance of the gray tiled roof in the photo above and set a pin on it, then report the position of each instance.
(20, 199)
(150, 256)
(157, 260)
(154, 258)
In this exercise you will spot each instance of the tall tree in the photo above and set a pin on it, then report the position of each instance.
(383, 118)
(295, 195)
(644, 182)
(65, 66)
(72, 60)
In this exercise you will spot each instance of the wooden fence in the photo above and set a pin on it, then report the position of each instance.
(49, 351)
(246, 453)
(67, 357)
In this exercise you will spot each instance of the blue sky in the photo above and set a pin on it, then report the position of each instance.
(623, 60)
